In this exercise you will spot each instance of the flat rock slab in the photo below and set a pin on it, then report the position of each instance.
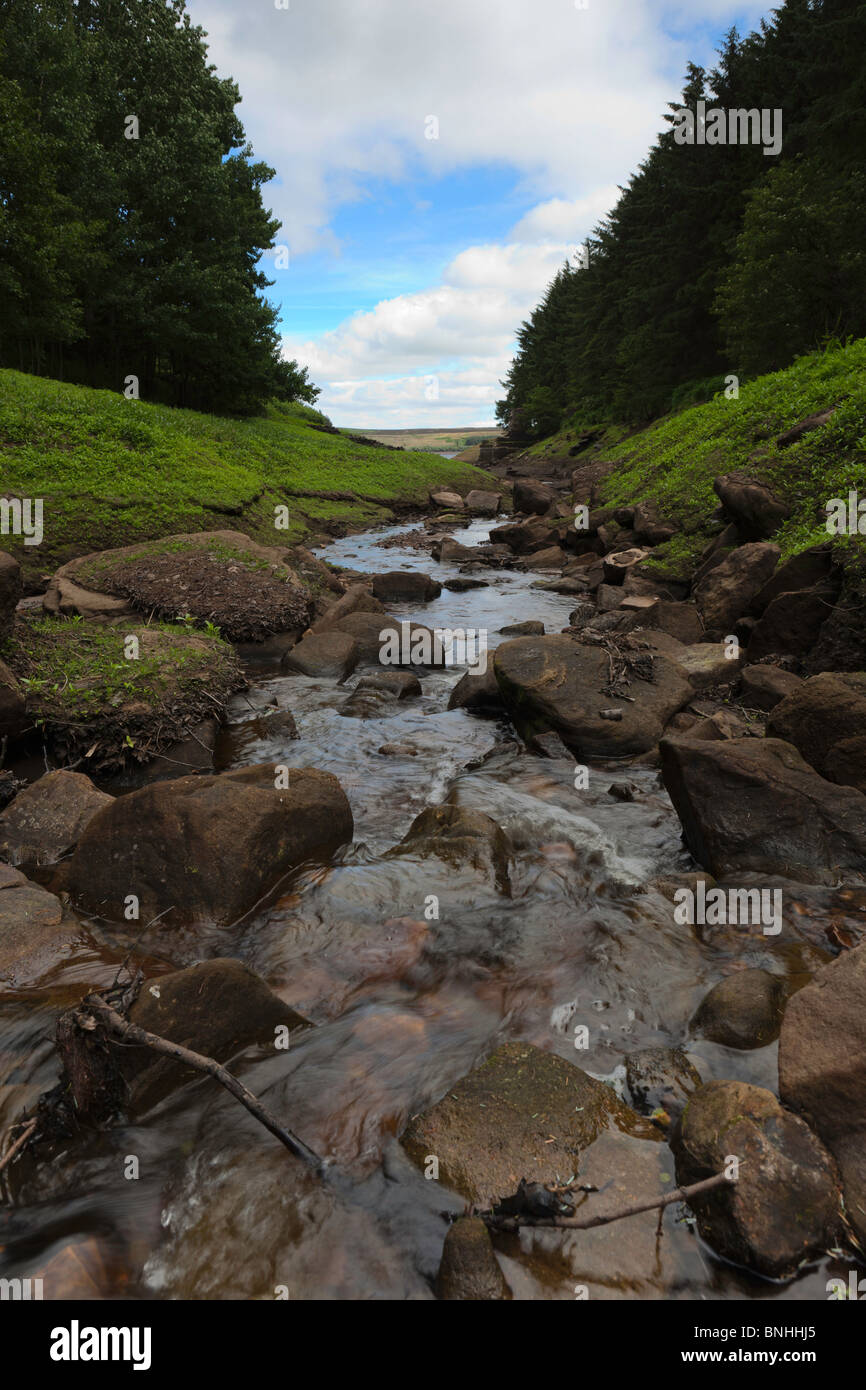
(495, 1126)
(34, 928)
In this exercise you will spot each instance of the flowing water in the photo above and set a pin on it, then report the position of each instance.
(403, 1007)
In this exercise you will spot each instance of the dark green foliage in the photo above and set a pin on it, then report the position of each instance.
(719, 259)
(128, 256)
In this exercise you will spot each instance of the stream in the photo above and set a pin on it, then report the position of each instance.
(403, 1006)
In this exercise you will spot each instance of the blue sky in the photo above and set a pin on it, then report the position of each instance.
(412, 260)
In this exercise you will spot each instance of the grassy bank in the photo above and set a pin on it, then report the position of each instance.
(113, 471)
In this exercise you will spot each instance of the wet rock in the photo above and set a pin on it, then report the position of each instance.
(559, 683)
(206, 849)
(724, 594)
(217, 1008)
(754, 805)
(527, 629)
(13, 706)
(458, 835)
(11, 589)
(784, 1206)
(825, 719)
(477, 692)
(463, 584)
(581, 615)
(530, 496)
(549, 745)
(469, 1268)
(492, 1128)
(398, 750)
(660, 1078)
(192, 754)
(377, 695)
(763, 687)
(34, 928)
(753, 506)
(356, 599)
(822, 1068)
(743, 1011)
(449, 551)
(333, 654)
(523, 537)
(405, 586)
(482, 503)
(46, 819)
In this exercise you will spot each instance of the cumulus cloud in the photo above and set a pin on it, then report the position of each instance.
(338, 93)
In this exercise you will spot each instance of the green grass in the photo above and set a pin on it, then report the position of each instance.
(113, 471)
(86, 694)
(675, 460)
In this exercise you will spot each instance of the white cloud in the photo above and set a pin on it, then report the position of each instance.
(337, 93)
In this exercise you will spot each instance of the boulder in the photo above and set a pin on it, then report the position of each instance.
(552, 557)
(469, 1268)
(825, 719)
(822, 1068)
(561, 683)
(46, 819)
(649, 526)
(660, 1078)
(531, 628)
(458, 835)
(11, 589)
(356, 599)
(723, 595)
(405, 586)
(494, 1126)
(753, 506)
(523, 537)
(791, 624)
(206, 849)
(803, 571)
(477, 692)
(449, 551)
(34, 929)
(764, 686)
(783, 1207)
(708, 664)
(217, 1008)
(450, 501)
(530, 496)
(680, 620)
(333, 654)
(743, 1011)
(754, 805)
(482, 503)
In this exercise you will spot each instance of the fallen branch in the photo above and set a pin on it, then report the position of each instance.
(22, 1139)
(127, 1032)
(586, 1223)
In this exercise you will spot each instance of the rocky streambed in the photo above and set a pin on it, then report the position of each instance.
(445, 924)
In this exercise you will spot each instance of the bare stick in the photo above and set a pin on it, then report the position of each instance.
(131, 1033)
(585, 1223)
(19, 1144)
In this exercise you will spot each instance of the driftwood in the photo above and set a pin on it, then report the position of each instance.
(94, 1011)
(513, 1221)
